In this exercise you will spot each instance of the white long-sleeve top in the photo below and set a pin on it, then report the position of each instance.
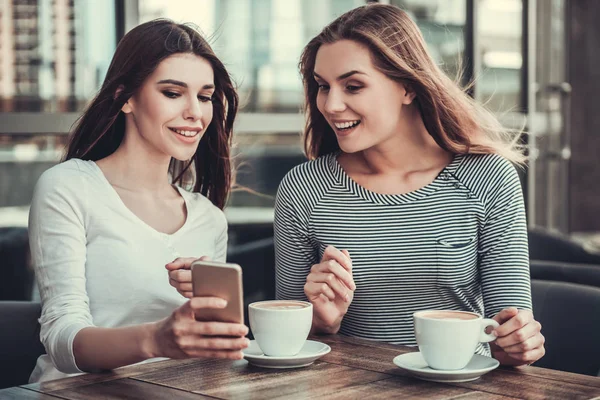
(98, 264)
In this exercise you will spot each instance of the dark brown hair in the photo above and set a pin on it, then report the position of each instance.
(100, 130)
(456, 122)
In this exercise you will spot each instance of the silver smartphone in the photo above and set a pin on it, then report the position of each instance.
(224, 280)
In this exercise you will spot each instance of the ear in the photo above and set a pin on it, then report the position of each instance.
(409, 95)
(127, 106)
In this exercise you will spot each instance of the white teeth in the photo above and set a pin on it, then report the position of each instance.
(345, 125)
(186, 133)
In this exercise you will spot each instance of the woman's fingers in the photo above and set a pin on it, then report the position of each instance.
(530, 344)
(335, 268)
(181, 279)
(519, 336)
(184, 262)
(208, 343)
(181, 262)
(219, 329)
(181, 286)
(529, 356)
(213, 347)
(181, 275)
(315, 289)
(197, 303)
(230, 355)
(331, 281)
(331, 253)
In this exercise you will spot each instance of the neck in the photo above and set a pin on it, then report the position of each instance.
(135, 167)
(413, 149)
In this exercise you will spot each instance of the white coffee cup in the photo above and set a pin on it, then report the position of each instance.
(447, 339)
(280, 327)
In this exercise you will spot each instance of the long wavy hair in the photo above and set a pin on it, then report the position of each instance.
(456, 122)
(101, 128)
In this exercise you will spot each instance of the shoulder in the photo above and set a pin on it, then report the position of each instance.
(310, 175)
(484, 172)
(68, 176)
(62, 190)
(489, 165)
(493, 179)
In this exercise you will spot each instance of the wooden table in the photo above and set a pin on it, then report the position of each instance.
(355, 369)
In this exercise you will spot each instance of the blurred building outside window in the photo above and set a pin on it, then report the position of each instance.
(53, 57)
(54, 54)
(499, 29)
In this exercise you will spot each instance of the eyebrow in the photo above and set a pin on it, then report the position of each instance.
(342, 76)
(182, 84)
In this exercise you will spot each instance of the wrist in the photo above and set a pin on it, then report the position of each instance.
(330, 328)
(148, 341)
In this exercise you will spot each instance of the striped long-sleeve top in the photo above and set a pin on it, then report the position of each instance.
(458, 243)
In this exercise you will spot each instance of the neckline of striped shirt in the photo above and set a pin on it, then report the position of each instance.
(442, 179)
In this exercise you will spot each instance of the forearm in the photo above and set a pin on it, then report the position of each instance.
(108, 348)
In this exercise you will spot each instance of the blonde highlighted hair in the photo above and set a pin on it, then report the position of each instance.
(457, 123)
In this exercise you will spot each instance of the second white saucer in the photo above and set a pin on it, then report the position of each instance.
(310, 352)
(415, 365)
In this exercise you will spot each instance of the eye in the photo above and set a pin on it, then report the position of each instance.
(205, 99)
(353, 88)
(171, 95)
(323, 88)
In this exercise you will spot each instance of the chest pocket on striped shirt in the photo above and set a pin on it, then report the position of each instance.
(456, 261)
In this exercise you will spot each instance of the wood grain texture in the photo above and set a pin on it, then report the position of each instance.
(126, 388)
(406, 388)
(24, 394)
(242, 380)
(537, 383)
(355, 369)
(119, 373)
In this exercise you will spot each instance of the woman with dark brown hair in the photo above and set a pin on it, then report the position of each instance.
(410, 200)
(144, 181)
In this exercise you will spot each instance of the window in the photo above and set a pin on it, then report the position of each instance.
(260, 42)
(499, 29)
(442, 23)
(54, 54)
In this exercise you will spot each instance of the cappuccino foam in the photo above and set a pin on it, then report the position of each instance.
(448, 315)
(281, 305)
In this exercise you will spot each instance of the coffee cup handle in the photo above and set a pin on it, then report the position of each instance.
(487, 337)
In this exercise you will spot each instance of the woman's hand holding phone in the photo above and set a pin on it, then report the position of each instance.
(180, 275)
(330, 288)
(181, 336)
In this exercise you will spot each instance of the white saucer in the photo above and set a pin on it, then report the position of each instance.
(311, 351)
(414, 364)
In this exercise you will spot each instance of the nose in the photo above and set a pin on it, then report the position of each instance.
(334, 102)
(193, 111)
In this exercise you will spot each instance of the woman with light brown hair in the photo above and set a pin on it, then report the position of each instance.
(410, 200)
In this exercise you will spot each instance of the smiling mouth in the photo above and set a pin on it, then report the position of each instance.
(186, 133)
(346, 126)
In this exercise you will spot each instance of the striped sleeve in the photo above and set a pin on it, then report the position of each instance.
(503, 247)
(294, 253)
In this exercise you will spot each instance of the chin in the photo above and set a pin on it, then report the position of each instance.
(180, 157)
(351, 148)
(183, 155)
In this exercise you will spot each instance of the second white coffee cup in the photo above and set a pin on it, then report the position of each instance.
(280, 327)
(447, 339)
